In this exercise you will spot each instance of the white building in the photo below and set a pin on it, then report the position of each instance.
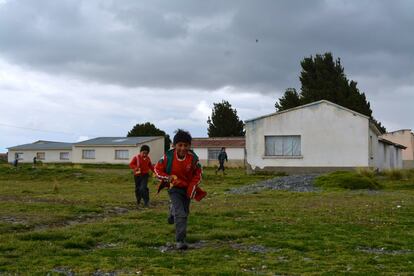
(404, 137)
(110, 150)
(208, 149)
(317, 137)
(389, 155)
(116, 150)
(44, 151)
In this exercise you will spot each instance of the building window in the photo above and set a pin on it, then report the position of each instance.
(122, 154)
(19, 155)
(282, 145)
(40, 156)
(213, 154)
(64, 156)
(88, 154)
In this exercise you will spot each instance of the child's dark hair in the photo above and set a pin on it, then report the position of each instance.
(182, 136)
(145, 148)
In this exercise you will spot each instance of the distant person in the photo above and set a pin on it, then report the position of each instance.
(34, 161)
(141, 166)
(180, 171)
(221, 158)
(16, 161)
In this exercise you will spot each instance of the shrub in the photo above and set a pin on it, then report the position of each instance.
(410, 173)
(347, 180)
(365, 172)
(394, 174)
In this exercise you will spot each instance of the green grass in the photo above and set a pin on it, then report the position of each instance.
(348, 180)
(329, 232)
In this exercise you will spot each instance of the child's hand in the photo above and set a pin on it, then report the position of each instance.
(173, 179)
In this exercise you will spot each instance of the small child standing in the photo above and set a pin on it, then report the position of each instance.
(180, 169)
(141, 166)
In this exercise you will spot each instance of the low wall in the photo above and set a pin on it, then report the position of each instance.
(230, 164)
(408, 164)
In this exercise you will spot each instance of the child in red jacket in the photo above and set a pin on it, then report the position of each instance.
(141, 166)
(180, 168)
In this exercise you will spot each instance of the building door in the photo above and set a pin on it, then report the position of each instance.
(392, 158)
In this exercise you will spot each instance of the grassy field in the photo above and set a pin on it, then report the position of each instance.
(64, 219)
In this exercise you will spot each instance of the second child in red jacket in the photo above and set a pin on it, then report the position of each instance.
(141, 166)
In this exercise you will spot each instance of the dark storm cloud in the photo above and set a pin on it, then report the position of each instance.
(121, 62)
(208, 44)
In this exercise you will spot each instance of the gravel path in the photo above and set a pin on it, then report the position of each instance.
(294, 183)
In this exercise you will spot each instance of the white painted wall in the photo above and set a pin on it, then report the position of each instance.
(157, 149)
(235, 153)
(51, 156)
(202, 153)
(403, 137)
(232, 153)
(106, 154)
(330, 137)
(236, 157)
(374, 159)
(399, 159)
(390, 157)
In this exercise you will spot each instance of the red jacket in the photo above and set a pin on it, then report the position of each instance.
(187, 172)
(140, 165)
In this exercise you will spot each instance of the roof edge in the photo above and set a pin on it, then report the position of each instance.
(216, 147)
(219, 138)
(40, 149)
(152, 139)
(37, 143)
(399, 130)
(373, 126)
(307, 105)
(386, 141)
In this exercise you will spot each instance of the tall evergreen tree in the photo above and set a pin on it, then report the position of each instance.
(323, 78)
(288, 100)
(148, 129)
(224, 121)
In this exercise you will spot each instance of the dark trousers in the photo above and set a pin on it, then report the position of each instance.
(221, 167)
(180, 209)
(141, 188)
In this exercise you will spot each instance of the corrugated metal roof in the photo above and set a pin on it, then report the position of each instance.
(43, 145)
(117, 141)
(219, 142)
(385, 141)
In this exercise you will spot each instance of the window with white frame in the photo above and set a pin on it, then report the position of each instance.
(88, 154)
(122, 154)
(64, 156)
(40, 156)
(213, 153)
(283, 145)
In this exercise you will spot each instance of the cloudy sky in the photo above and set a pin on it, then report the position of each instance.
(73, 69)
